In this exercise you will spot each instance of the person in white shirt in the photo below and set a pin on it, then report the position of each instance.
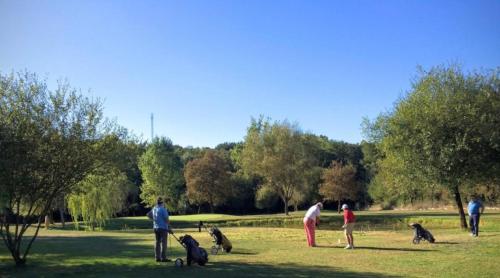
(311, 220)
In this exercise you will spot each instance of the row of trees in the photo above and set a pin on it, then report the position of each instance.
(275, 162)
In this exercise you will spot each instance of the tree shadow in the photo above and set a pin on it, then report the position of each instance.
(445, 242)
(378, 248)
(243, 252)
(218, 269)
(480, 235)
(106, 256)
(100, 247)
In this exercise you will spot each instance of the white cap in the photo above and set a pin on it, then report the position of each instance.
(344, 206)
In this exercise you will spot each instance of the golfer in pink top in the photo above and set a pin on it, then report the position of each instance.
(311, 220)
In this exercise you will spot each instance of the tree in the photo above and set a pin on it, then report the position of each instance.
(276, 153)
(125, 158)
(339, 183)
(99, 197)
(48, 144)
(161, 170)
(445, 130)
(208, 180)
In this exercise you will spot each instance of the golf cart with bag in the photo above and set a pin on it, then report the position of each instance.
(421, 234)
(194, 253)
(221, 242)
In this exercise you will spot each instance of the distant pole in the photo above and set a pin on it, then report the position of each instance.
(152, 127)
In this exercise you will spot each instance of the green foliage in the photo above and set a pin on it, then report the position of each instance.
(445, 131)
(50, 140)
(277, 153)
(100, 196)
(124, 155)
(266, 197)
(161, 170)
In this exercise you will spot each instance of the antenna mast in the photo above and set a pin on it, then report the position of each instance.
(152, 127)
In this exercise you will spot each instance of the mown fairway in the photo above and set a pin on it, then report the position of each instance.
(383, 249)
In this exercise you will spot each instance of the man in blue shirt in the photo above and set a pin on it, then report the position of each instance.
(159, 215)
(475, 209)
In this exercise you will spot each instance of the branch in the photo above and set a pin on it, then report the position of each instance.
(33, 238)
(4, 237)
(18, 204)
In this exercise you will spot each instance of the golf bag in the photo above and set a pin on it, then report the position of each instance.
(194, 253)
(421, 233)
(220, 241)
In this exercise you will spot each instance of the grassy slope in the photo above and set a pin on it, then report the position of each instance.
(275, 252)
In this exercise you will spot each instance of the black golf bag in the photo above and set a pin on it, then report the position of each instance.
(194, 253)
(421, 233)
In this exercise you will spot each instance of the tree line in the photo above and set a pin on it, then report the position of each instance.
(59, 156)
(275, 168)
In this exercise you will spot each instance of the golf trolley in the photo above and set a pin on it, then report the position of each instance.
(221, 242)
(421, 234)
(194, 253)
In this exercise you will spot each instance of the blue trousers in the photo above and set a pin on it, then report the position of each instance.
(474, 223)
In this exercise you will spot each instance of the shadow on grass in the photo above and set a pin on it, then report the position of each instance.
(105, 256)
(490, 235)
(219, 269)
(97, 247)
(243, 252)
(445, 242)
(378, 248)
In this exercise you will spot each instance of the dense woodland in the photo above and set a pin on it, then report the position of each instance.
(60, 157)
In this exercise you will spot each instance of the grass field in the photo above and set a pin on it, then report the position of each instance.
(272, 246)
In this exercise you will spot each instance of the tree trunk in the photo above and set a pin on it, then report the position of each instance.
(61, 213)
(458, 200)
(286, 206)
(338, 207)
(47, 222)
(211, 207)
(17, 258)
(199, 209)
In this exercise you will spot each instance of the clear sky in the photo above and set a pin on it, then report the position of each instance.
(204, 68)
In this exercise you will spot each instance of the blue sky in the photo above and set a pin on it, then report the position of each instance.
(204, 68)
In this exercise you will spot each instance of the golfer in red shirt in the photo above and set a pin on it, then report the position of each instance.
(349, 220)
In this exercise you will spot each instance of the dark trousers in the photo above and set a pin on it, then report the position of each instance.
(474, 223)
(161, 244)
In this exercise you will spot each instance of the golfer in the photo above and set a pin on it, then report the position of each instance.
(474, 209)
(311, 220)
(159, 215)
(348, 226)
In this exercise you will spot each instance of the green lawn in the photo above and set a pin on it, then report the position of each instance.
(384, 249)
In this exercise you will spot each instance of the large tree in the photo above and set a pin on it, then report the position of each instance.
(339, 183)
(277, 153)
(208, 179)
(161, 170)
(445, 130)
(49, 141)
